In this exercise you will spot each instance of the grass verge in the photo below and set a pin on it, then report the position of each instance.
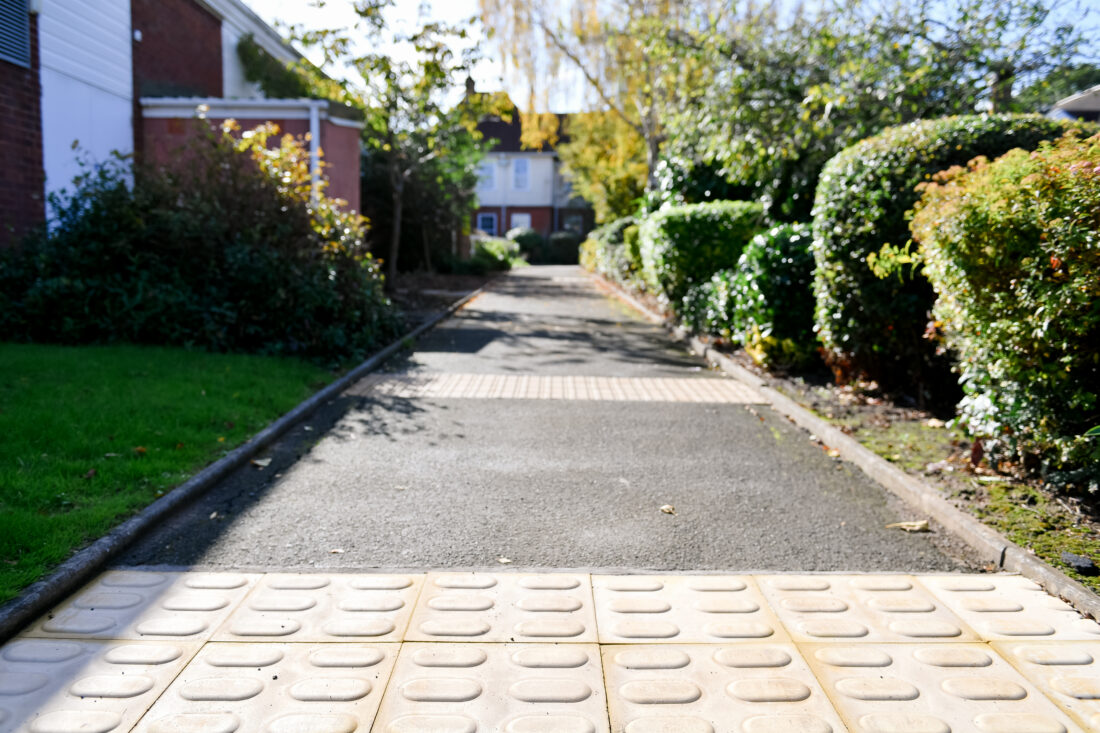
(92, 434)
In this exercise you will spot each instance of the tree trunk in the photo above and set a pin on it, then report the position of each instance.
(395, 231)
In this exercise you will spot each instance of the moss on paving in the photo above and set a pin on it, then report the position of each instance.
(91, 435)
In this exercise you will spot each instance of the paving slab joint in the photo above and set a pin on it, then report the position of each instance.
(991, 545)
(74, 572)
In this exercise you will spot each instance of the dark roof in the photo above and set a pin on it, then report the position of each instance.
(506, 133)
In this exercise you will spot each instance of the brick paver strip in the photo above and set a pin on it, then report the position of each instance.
(518, 652)
(539, 387)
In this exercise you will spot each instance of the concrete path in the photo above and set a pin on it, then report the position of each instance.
(593, 421)
(544, 428)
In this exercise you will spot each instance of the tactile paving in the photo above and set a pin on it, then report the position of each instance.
(868, 608)
(537, 387)
(500, 607)
(513, 688)
(1067, 672)
(131, 604)
(324, 607)
(1010, 607)
(639, 609)
(931, 688)
(275, 688)
(64, 685)
(741, 688)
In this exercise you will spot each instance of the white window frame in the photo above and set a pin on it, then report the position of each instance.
(523, 184)
(526, 219)
(492, 216)
(487, 177)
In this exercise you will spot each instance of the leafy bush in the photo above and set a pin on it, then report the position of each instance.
(684, 245)
(765, 303)
(605, 251)
(496, 253)
(870, 326)
(680, 180)
(530, 242)
(562, 248)
(224, 251)
(1012, 249)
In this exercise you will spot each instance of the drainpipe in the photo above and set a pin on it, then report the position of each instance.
(315, 149)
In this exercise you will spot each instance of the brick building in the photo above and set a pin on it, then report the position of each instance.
(525, 188)
(86, 78)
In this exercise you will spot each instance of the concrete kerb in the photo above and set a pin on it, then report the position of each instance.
(78, 569)
(990, 545)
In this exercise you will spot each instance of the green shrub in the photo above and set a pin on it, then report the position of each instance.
(766, 303)
(1012, 249)
(496, 253)
(632, 250)
(605, 251)
(224, 251)
(870, 326)
(562, 248)
(684, 245)
(530, 242)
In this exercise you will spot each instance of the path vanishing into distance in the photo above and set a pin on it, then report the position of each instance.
(549, 518)
(547, 424)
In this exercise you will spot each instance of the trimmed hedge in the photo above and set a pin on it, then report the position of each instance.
(872, 327)
(766, 303)
(225, 251)
(605, 251)
(684, 245)
(530, 242)
(562, 248)
(1012, 248)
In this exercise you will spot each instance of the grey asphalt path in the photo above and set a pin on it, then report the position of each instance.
(387, 482)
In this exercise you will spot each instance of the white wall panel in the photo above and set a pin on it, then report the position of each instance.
(540, 190)
(87, 83)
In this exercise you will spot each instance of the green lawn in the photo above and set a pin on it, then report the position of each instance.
(89, 435)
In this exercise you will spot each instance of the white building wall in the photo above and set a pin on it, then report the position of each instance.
(87, 84)
(540, 176)
(238, 20)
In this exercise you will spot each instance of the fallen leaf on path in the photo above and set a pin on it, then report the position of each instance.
(213, 515)
(669, 509)
(336, 551)
(261, 462)
(504, 560)
(833, 453)
(920, 525)
(934, 423)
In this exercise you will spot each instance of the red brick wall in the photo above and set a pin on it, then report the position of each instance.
(180, 52)
(541, 217)
(22, 184)
(163, 138)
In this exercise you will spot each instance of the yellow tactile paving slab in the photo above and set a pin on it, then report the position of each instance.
(275, 688)
(66, 684)
(1067, 672)
(512, 688)
(147, 605)
(537, 387)
(499, 607)
(864, 608)
(521, 652)
(931, 688)
(324, 607)
(703, 688)
(682, 609)
(1007, 607)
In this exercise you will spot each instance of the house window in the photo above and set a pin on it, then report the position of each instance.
(486, 177)
(521, 220)
(15, 32)
(573, 223)
(487, 223)
(520, 174)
